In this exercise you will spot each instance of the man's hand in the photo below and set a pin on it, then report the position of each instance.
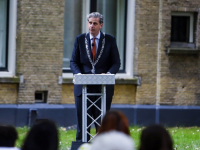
(74, 79)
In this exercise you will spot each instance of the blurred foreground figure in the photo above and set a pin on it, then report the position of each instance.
(42, 136)
(112, 140)
(155, 137)
(113, 120)
(8, 137)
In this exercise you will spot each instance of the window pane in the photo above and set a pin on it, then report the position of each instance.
(114, 22)
(3, 29)
(72, 28)
(180, 28)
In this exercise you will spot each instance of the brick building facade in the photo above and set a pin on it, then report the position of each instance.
(170, 74)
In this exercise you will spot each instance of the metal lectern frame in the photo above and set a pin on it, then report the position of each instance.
(93, 79)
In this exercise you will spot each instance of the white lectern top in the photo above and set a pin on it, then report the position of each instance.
(88, 79)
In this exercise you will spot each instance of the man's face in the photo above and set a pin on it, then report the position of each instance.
(94, 26)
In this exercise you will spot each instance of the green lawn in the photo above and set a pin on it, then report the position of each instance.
(184, 138)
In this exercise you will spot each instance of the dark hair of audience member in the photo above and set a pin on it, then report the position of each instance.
(42, 136)
(114, 120)
(8, 136)
(155, 137)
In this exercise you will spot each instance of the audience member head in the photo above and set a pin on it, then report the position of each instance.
(155, 137)
(8, 136)
(113, 140)
(42, 136)
(114, 120)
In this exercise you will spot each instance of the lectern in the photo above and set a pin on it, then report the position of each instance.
(93, 79)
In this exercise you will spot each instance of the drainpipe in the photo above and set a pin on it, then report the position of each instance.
(29, 115)
(159, 59)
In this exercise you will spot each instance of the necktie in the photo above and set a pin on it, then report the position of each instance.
(94, 48)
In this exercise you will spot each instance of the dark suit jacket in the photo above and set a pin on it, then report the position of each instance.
(109, 61)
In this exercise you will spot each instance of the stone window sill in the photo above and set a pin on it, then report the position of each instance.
(180, 50)
(13, 79)
(133, 81)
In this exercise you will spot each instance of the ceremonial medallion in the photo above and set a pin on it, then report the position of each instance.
(88, 53)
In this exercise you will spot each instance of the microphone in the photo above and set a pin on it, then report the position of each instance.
(92, 44)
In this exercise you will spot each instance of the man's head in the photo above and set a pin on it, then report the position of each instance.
(95, 23)
(155, 137)
(43, 135)
(8, 136)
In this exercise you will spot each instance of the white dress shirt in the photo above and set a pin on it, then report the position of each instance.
(96, 40)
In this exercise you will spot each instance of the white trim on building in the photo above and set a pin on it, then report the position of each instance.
(11, 40)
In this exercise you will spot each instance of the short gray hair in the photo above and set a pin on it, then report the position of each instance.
(95, 15)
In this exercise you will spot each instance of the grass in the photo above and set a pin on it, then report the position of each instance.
(184, 138)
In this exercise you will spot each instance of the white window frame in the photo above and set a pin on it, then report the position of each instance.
(191, 15)
(129, 43)
(11, 40)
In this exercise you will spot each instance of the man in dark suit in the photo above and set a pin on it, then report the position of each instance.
(93, 53)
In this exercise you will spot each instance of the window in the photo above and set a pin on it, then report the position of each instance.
(182, 29)
(75, 23)
(114, 12)
(8, 25)
(41, 96)
(114, 22)
(3, 34)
